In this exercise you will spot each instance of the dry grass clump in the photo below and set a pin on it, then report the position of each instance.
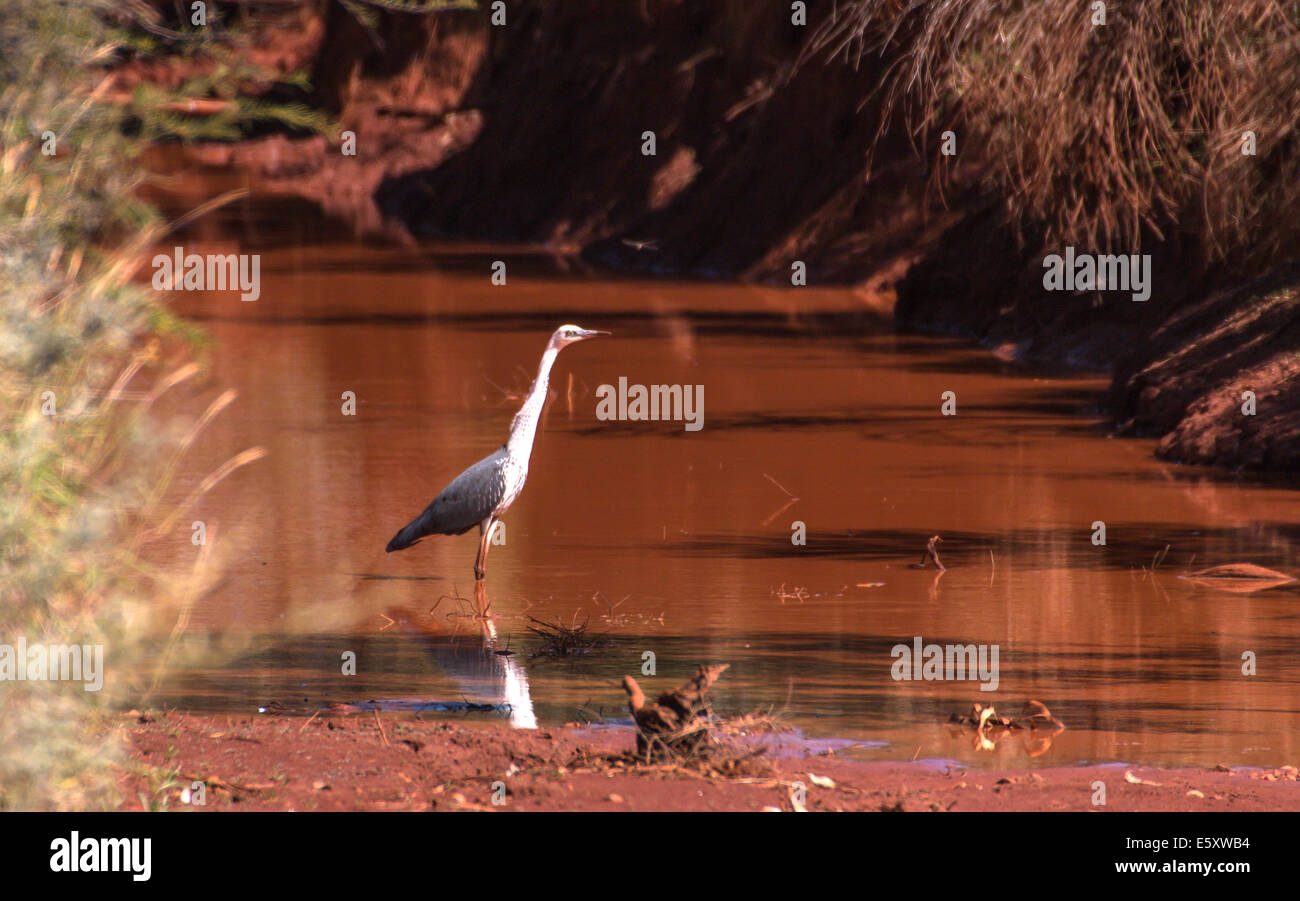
(559, 640)
(1093, 135)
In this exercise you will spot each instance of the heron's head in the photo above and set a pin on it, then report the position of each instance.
(571, 334)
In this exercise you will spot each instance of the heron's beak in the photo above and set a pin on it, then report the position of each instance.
(593, 333)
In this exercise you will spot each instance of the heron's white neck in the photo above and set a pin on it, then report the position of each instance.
(524, 427)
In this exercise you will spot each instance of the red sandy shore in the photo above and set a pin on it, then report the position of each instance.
(355, 763)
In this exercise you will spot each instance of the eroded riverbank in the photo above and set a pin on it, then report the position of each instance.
(766, 160)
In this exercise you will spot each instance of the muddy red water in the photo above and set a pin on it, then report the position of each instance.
(677, 543)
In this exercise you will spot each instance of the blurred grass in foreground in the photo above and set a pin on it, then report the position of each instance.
(84, 489)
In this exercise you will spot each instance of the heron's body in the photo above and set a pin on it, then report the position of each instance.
(480, 495)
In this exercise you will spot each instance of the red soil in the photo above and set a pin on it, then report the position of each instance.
(354, 762)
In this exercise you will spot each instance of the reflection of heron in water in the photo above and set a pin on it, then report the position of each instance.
(514, 678)
(480, 495)
(482, 672)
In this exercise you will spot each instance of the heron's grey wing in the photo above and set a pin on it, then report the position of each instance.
(460, 506)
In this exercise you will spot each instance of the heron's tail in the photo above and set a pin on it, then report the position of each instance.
(435, 520)
(409, 535)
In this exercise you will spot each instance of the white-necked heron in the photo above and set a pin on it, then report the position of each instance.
(480, 495)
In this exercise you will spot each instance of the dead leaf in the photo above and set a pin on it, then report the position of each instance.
(1129, 777)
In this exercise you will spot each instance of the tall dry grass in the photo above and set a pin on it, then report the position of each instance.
(85, 471)
(1099, 135)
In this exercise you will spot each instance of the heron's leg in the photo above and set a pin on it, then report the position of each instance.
(484, 607)
(484, 539)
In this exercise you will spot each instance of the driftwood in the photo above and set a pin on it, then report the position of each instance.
(1240, 578)
(1035, 724)
(931, 552)
(1034, 715)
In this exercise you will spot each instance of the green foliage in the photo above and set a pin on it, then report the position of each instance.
(225, 94)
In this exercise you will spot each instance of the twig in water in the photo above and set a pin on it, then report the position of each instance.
(779, 485)
(559, 640)
(1159, 558)
(931, 552)
(786, 506)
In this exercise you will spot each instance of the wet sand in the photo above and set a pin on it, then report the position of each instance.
(360, 762)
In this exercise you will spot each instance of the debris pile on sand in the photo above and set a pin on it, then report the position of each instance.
(1283, 773)
(679, 731)
(678, 724)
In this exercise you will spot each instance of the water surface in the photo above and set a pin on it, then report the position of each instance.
(679, 543)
